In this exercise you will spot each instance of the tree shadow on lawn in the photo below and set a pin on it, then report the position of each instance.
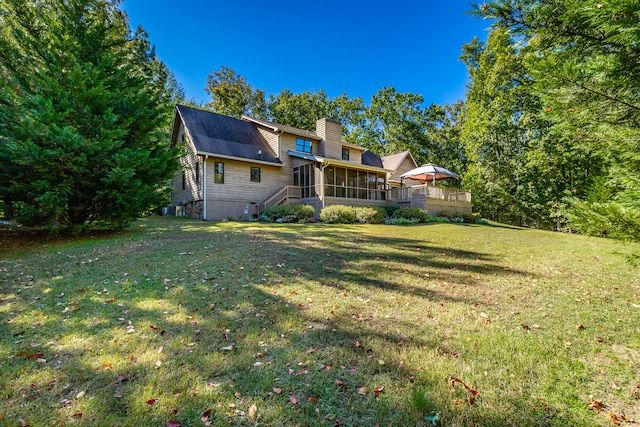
(259, 343)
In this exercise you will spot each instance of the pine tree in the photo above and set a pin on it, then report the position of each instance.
(84, 111)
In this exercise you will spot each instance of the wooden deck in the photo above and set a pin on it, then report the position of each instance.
(432, 199)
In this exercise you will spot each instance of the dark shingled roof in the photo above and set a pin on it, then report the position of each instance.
(371, 159)
(213, 134)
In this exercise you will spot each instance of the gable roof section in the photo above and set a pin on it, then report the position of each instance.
(372, 159)
(395, 160)
(278, 128)
(223, 136)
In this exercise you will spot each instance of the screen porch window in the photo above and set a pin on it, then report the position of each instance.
(304, 177)
(354, 184)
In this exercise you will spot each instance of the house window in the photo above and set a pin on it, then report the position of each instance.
(184, 180)
(303, 145)
(218, 174)
(198, 173)
(255, 174)
(345, 153)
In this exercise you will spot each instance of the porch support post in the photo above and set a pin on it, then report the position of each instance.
(322, 166)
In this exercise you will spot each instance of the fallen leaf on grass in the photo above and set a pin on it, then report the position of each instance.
(252, 411)
(293, 399)
(106, 366)
(150, 401)
(34, 356)
(613, 418)
(277, 390)
(173, 424)
(473, 392)
(378, 390)
(458, 380)
(596, 405)
(77, 415)
(363, 390)
(313, 399)
(339, 382)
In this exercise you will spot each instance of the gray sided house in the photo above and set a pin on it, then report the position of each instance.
(236, 168)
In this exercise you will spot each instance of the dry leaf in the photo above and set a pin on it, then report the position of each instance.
(363, 390)
(77, 415)
(378, 390)
(34, 356)
(596, 405)
(293, 399)
(173, 424)
(277, 390)
(339, 382)
(252, 411)
(313, 399)
(151, 401)
(458, 380)
(613, 418)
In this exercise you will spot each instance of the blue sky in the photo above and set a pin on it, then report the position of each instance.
(356, 47)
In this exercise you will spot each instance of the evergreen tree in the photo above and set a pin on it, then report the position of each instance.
(84, 111)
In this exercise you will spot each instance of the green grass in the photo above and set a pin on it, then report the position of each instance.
(304, 324)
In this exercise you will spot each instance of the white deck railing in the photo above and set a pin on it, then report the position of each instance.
(428, 192)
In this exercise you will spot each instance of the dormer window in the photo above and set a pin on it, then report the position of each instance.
(345, 153)
(303, 145)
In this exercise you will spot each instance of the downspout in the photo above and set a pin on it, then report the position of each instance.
(204, 188)
(322, 166)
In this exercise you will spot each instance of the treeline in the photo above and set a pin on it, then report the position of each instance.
(389, 122)
(548, 135)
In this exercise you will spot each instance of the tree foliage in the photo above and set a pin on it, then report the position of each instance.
(391, 122)
(232, 95)
(583, 63)
(84, 111)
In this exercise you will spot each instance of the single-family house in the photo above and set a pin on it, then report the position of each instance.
(236, 168)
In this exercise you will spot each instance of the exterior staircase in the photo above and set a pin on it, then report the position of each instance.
(281, 196)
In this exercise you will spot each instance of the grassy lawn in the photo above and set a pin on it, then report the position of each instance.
(244, 324)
